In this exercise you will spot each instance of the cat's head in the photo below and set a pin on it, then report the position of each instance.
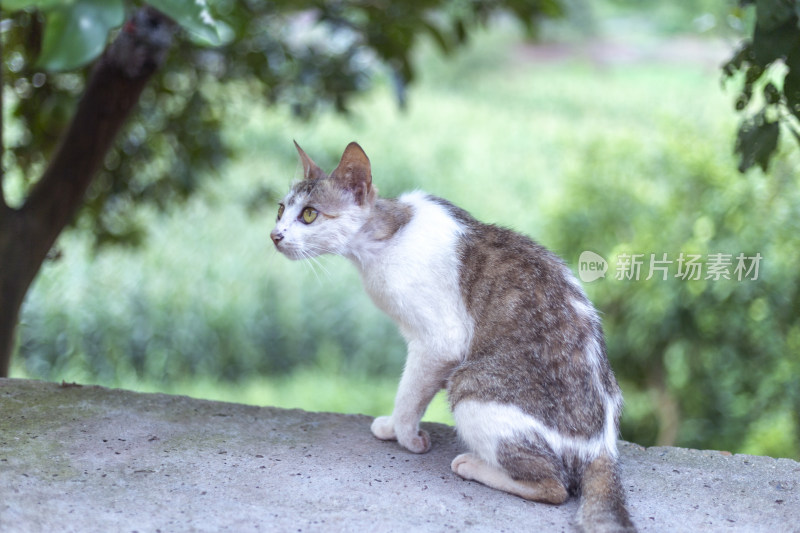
(322, 213)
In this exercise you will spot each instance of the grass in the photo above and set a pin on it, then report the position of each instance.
(307, 389)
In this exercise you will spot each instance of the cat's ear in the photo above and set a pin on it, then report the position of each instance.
(310, 169)
(354, 173)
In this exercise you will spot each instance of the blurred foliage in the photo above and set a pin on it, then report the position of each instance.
(246, 330)
(68, 41)
(580, 156)
(306, 55)
(713, 358)
(767, 67)
(164, 152)
(707, 17)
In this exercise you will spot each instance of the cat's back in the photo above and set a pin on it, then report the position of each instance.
(504, 279)
(537, 340)
(502, 270)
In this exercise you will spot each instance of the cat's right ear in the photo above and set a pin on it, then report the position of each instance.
(354, 173)
(310, 169)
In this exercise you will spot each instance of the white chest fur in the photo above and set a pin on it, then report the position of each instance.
(414, 278)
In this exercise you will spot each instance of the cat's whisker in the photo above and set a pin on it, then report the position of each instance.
(331, 249)
(308, 259)
(311, 253)
(319, 264)
(314, 260)
(319, 249)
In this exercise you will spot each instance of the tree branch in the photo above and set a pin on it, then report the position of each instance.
(111, 94)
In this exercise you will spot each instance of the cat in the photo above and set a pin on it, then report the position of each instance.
(488, 314)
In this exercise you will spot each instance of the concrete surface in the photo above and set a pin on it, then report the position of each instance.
(89, 459)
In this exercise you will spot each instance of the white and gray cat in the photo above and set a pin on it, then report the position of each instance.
(488, 314)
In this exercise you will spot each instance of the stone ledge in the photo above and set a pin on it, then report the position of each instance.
(89, 459)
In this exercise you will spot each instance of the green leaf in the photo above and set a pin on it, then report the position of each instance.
(771, 94)
(735, 63)
(756, 141)
(194, 17)
(775, 43)
(795, 133)
(773, 13)
(76, 34)
(438, 36)
(42, 5)
(791, 83)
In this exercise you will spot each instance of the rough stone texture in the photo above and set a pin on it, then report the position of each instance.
(89, 459)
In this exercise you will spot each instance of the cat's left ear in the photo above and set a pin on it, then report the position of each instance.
(310, 169)
(354, 173)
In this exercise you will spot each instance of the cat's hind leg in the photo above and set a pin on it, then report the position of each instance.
(508, 452)
(547, 489)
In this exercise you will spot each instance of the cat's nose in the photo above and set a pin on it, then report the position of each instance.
(276, 237)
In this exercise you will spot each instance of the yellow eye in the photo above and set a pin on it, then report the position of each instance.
(309, 215)
(280, 211)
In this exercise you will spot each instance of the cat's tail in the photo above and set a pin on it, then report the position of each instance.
(602, 508)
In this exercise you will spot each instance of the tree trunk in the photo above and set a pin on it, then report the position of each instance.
(28, 233)
(13, 280)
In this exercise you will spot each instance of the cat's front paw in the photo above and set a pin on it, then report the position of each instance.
(383, 428)
(419, 443)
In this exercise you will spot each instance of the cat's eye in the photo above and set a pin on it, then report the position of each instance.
(281, 207)
(309, 215)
